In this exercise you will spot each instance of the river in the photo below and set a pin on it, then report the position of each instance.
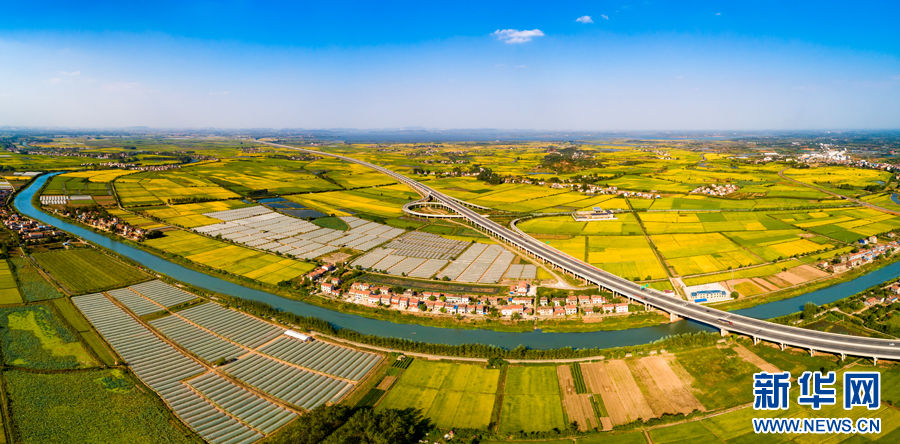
(535, 339)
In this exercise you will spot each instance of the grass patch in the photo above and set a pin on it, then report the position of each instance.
(91, 406)
(32, 284)
(36, 338)
(721, 379)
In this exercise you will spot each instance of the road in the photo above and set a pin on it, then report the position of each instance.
(727, 322)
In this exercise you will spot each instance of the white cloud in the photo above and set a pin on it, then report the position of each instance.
(221, 93)
(604, 16)
(718, 13)
(516, 36)
(521, 66)
(73, 73)
(584, 19)
(896, 77)
(55, 80)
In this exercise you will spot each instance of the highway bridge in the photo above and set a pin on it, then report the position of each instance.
(758, 330)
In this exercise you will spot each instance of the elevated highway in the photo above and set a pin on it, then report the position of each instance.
(757, 329)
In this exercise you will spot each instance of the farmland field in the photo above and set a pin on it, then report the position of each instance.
(155, 188)
(702, 253)
(87, 270)
(36, 338)
(451, 395)
(531, 400)
(9, 292)
(346, 203)
(191, 215)
(624, 224)
(235, 259)
(720, 378)
(89, 406)
(32, 285)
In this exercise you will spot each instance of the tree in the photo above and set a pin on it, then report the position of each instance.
(809, 310)
(735, 295)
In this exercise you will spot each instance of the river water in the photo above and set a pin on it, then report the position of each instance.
(535, 339)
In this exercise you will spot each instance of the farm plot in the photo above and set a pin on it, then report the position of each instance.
(344, 203)
(666, 392)
(621, 395)
(9, 291)
(520, 271)
(290, 384)
(135, 302)
(34, 337)
(494, 259)
(578, 406)
(322, 356)
(462, 262)
(235, 326)
(234, 259)
(720, 378)
(155, 188)
(531, 401)
(451, 395)
(259, 173)
(84, 270)
(426, 245)
(252, 410)
(162, 293)
(624, 224)
(92, 406)
(702, 253)
(626, 256)
(162, 368)
(292, 236)
(752, 358)
(749, 273)
(205, 345)
(192, 215)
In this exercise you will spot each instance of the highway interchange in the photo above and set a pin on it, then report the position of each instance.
(728, 322)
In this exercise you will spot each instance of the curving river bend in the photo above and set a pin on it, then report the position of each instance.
(535, 339)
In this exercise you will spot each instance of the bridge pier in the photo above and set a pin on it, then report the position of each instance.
(843, 357)
(755, 340)
(782, 346)
(723, 332)
(672, 317)
(812, 352)
(874, 360)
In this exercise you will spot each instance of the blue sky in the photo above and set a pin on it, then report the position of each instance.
(535, 65)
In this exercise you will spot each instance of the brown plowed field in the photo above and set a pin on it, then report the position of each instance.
(765, 284)
(752, 358)
(578, 407)
(621, 395)
(668, 393)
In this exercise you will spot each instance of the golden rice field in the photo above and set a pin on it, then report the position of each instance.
(99, 175)
(702, 252)
(346, 203)
(625, 223)
(136, 191)
(191, 215)
(235, 259)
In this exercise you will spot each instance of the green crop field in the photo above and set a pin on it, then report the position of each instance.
(99, 406)
(721, 379)
(694, 431)
(155, 188)
(88, 270)
(235, 259)
(34, 337)
(451, 395)
(531, 400)
(74, 317)
(9, 291)
(624, 224)
(32, 285)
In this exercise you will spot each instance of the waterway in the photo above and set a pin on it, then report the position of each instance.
(535, 339)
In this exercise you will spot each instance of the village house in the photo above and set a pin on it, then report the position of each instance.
(544, 302)
(598, 300)
(559, 311)
(608, 308)
(584, 300)
(622, 307)
(558, 302)
(571, 309)
(520, 301)
(509, 310)
(545, 311)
